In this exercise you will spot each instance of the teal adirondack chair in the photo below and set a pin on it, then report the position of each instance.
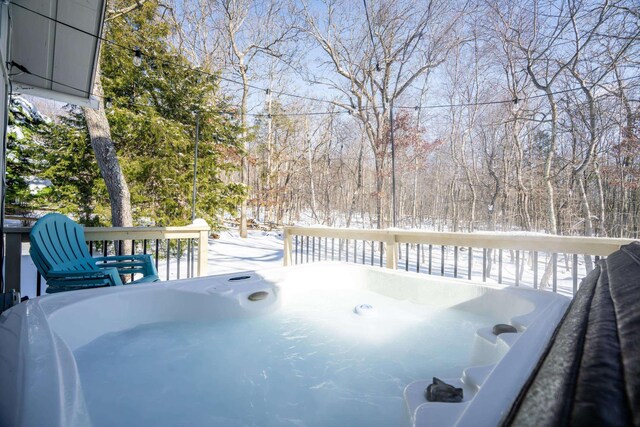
(59, 251)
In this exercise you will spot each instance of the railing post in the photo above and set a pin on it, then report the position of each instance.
(287, 247)
(203, 253)
(13, 260)
(392, 251)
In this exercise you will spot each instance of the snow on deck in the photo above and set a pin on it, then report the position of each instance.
(230, 253)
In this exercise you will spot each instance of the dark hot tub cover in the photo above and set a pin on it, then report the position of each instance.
(590, 373)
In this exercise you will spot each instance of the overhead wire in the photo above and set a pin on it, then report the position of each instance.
(349, 112)
(230, 111)
(150, 55)
(373, 43)
(283, 93)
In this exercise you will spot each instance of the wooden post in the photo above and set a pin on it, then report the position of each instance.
(203, 253)
(287, 247)
(391, 249)
(13, 260)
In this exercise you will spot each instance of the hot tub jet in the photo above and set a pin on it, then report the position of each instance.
(364, 310)
(257, 296)
(502, 328)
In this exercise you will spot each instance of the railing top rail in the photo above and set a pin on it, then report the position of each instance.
(154, 229)
(535, 242)
(128, 233)
(137, 233)
(19, 230)
(349, 233)
(16, 230)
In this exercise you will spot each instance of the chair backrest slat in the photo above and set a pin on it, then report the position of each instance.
(59, 243)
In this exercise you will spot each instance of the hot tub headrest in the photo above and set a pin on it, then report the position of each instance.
(590, 373)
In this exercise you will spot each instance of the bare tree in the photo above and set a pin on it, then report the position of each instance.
(252, 28)
(541, 126)
(377, 59)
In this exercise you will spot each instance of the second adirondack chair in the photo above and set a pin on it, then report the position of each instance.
(60, 253)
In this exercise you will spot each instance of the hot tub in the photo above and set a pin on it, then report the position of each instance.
(314, 345)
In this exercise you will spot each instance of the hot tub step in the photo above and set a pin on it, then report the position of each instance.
(509, 339)
(414, 396)
(476, 375)
(522, 322)
(487, 334)
(488, 348)
(435, 414)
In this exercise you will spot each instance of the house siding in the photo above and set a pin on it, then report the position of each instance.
(5, 25)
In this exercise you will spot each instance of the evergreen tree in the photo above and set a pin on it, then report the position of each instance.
(51, 165)
(152, 121)
(70, 165)
(26, 136)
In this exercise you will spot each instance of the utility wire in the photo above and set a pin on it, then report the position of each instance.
(149, 55)
(293, 95)
(285, 114)
(373, 43)
(321, 113)
(54, 82)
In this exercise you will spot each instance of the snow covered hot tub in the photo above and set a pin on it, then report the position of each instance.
(316, 345)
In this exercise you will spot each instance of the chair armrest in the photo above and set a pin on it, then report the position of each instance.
(75, 274)
(143, 257)
(104, 273)
(129, 264)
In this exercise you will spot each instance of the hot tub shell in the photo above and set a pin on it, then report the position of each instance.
(40, 384)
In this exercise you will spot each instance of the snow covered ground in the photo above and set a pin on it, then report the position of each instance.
(229, 253)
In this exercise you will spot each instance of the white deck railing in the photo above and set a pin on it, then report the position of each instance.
(533, 259)
(161, 242)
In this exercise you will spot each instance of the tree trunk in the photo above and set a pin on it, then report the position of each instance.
(548, 174)
(310, 162)
(414, 198)
(105, 152)
(356, 193)
(244, 173)
(379, 190)
(588, 224)
(601, 207)
(548, 181)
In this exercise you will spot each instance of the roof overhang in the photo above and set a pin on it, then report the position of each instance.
(58, 42)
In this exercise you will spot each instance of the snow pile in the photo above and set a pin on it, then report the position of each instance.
(17, 131)
(24, 111)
